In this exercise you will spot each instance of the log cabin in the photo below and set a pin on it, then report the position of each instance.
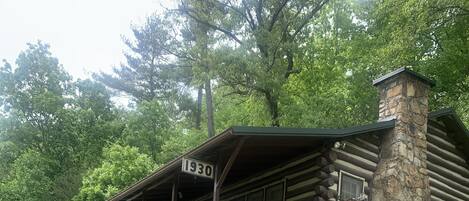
(407, 154)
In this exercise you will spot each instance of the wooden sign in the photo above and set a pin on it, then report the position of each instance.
(198, 168)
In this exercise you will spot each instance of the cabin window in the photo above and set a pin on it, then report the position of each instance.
(274, 193)
(256, 196)
(271, 192)
(351, 187)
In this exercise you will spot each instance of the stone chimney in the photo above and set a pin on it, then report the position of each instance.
(402, 170)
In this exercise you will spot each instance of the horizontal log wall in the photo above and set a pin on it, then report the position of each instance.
(447, 166)
(301, 177)
(358, 156)
(313, 182)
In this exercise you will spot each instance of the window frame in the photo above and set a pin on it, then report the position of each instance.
(261, 188)
(339, 185)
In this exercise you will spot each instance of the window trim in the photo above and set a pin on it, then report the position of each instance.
(339, 186)
(261, 188)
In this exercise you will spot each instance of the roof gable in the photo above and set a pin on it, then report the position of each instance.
(455, 128)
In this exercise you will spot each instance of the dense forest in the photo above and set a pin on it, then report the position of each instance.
(204, 66)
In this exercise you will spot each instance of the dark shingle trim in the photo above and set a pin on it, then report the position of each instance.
(451, 113)
(312, 132)
(404, 70)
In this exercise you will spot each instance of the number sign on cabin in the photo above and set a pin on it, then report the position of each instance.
(197, 168)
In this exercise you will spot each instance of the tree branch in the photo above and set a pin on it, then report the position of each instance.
(308, 17)
(239, 12)
(226, 32)
(276, 14)
(259, 6)
(289, 64)
(248, 12)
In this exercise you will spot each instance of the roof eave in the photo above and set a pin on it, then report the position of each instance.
(452, 113)
(312, 132)
(404, 70)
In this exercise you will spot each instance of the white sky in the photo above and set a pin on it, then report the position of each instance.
(85, 35)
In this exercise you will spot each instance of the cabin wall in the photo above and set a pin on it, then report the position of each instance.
(301, 177)
(447, 167)
(357, 156)
(315, 176)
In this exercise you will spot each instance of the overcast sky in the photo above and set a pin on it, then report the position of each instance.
(85, 35)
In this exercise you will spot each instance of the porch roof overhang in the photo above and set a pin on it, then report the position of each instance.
(263, 148)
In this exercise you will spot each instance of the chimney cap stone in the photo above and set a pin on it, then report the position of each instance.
(392, 74)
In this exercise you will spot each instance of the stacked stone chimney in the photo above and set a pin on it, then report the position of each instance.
(402, 173)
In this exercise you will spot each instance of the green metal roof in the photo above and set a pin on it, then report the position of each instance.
(311, 132)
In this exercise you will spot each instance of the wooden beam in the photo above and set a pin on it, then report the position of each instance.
(303, 196)
(447, 155)
(329, 168)
(216, 190)
(451, 166)
(441, 194)
(448, 174)
(160, 182)
(356, 160)
(445, 188)
(318, 198)
(218, 180)
(365, 144)
(135, 196)
(278, 170)
(230, 162)
(327, 182)
(449, 182)
(330, 156)
(174, 190)
(325, 192)
(443, 144)
(352, 148)
(354, 169)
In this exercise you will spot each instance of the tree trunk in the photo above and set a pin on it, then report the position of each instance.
(272, 103)
(198, 111)
(209, 105)
(201, 32)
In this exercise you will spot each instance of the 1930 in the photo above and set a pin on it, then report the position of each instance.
(198, 168)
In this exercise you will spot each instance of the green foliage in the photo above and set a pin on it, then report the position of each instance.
(9, 151)
(34, 95)
(236, 110)
(148, 128)
(334, 82)
(430, 36)
(36, 86)
(94, 96)
(179, 144)
(121, 166)
(258, 53)
(47, 116)
(148, 73)
(93, 121)
(29, 178)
